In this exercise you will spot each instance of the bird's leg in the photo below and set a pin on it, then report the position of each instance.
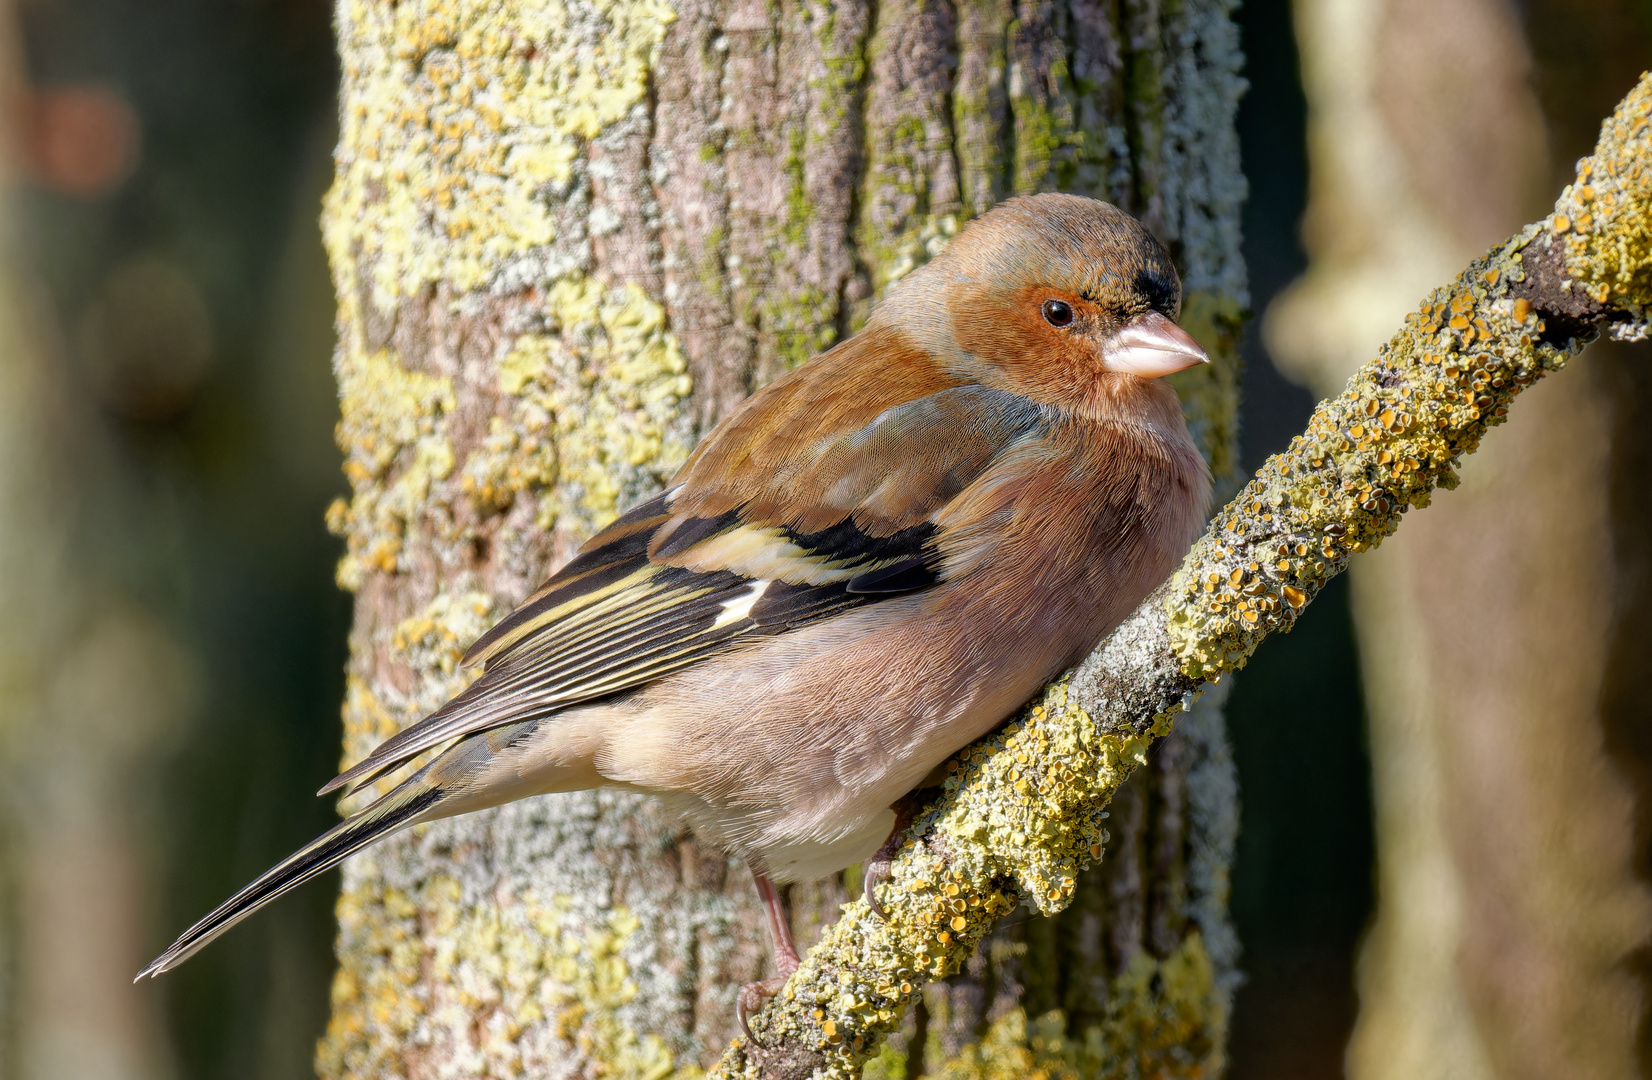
(753, 995)
(877, 867)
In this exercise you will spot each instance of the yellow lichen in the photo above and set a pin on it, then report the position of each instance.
(366, 720)
(526, 977)
(594, 404)
(1608, 210)
(464, 122)
(1406, 419)
(469, 180)
(389, 425)
(464, 116)
(436, 638)
(1063, 771)
(1164, 1018)
(430, 643)
(998, 846)
(1367, 457)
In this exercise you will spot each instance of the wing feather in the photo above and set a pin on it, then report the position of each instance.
(672, 583)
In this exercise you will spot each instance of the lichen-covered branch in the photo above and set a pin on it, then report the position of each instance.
(1025, 809)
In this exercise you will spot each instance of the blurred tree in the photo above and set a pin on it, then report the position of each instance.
(566, 240)
(172, 642)
(91, 687)
(1509, 754)
(1302, 888)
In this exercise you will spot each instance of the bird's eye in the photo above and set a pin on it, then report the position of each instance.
(1058, 312)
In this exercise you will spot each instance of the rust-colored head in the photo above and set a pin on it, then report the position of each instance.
(1059, 298)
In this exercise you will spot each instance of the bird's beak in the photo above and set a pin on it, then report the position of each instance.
(1150, 346)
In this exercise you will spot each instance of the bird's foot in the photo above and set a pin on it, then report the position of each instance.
(753, 996)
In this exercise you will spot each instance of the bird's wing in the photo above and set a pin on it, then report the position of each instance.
(672, 582)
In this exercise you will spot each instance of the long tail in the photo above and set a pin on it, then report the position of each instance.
(408, 803)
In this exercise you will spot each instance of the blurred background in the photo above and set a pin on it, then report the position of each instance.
(172, 646)
(171, 642)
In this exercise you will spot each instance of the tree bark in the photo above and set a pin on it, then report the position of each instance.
(566, 240)
(1510, 909)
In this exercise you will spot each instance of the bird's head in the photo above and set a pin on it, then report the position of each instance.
(1062, 299)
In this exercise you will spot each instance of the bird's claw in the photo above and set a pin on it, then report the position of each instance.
(880, 865)
(877, 872)
(752, 998)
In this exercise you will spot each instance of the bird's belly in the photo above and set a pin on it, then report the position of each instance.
(795, 846)
(793, 757)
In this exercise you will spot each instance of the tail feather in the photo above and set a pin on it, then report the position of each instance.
(395, 810)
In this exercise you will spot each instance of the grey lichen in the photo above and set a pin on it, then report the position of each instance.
(1023, 810)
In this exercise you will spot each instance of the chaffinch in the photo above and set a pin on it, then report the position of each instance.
(871, 563)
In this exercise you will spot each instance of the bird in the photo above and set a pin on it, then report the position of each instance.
(872, 562)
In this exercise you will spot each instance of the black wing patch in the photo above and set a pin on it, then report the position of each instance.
(613, 619)
(898, 577)
(617, 617)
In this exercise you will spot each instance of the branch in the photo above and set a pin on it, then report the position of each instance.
(1022, 810)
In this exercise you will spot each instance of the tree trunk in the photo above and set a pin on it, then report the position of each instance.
(566, 240)
(1510, 912)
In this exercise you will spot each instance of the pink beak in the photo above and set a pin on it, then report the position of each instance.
(1150, 346)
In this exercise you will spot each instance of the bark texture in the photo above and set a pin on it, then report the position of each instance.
(567, 238)
(1510, 910)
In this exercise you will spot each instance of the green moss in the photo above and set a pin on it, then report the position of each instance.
(844, 68)
(979, 105)
(802, 322)
(896, 243)
(1043, 128)
(1145, 93)
(800, 212)
(910, 206)
(709, 265)
(1099, 163)
(800, 319)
